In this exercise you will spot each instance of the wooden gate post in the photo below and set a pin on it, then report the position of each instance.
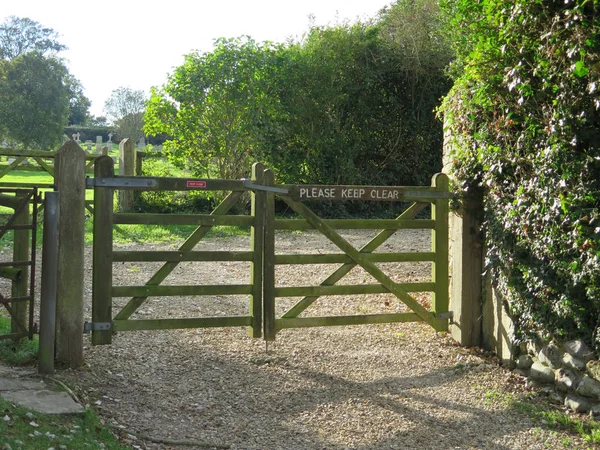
(126, 169)
(70, 182)
(103, 243)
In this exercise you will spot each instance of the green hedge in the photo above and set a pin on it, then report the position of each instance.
(525, 122)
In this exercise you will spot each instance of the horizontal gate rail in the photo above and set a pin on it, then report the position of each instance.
(182, 219)
(168, 291)
(356, 224)
(349, 289)
(175, 324)
(367, 319)
(345, 259)
(175, 256)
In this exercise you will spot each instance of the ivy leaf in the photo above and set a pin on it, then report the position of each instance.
(580, 69)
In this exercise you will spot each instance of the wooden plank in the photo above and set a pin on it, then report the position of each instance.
(11, 166)
(69, 177)
(126, 168)
(367, 319)
(358, 257)
(269, 262)
(146, 256)
(177, 290)
(102, 256)
(44, 165)
(357, 224)
(175, 324)
(369, 247)
(26, 153)
(186, 184)
(439, 245)
(26, 185)
(257, 208)
(204, 220)
(349, 289)
(345, 259)
(168, 267)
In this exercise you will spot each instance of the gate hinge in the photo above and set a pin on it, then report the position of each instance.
(259, 187)
(95, 326)
(445, 315)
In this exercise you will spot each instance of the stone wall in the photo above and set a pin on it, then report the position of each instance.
(567, 372)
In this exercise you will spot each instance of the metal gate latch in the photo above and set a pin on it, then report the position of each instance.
(259, 187)
(95, 326)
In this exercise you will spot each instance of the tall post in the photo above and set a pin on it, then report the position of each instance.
(102, 259)
(19, 287)
(269, 261)
(439, 246)
(126, 169)
(48, 292)
(256, 245)
(70, 183)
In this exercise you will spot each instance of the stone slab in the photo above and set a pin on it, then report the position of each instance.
(8, 384)
(44, 401)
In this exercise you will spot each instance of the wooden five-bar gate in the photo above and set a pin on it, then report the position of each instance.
(262, 255)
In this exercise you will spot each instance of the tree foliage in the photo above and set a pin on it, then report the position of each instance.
(125, 108)
(525, 120)
(34, 102)
(34, 84)
(342, 105)
(20, 35)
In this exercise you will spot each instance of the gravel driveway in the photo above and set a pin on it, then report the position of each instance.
(400, 386)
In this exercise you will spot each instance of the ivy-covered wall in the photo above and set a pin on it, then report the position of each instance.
(524, 115)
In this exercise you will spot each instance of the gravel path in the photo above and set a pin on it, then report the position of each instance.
(400, 386)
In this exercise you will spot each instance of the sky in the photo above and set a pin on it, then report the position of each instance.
(136, 44)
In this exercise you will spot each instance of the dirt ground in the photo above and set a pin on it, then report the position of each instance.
(400, 386)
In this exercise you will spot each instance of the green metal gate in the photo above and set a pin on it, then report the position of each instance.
(262, 255)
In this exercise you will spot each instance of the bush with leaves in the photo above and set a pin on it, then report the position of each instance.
(525, 121)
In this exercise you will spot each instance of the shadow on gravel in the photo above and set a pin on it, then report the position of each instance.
(252, 400)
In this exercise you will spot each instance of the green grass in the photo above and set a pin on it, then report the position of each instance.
(25, 429)
(19, 353)
(544, 414)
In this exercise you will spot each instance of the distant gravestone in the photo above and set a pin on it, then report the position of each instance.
(88, 145)
(99, 144)
(142, 142)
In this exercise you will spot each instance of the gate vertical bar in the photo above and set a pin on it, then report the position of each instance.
(21, 254)
(256, 246)
(269, 261)
(439, 245)
(102, 259)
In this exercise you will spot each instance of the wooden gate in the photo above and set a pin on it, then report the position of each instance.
(262, 255)
(19, 303)
(104, 183)
(436, 196)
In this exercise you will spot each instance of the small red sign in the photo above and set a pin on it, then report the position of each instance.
(196, 184)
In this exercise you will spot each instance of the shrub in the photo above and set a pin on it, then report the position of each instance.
(525, 123)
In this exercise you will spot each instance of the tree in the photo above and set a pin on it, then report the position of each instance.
(19, 35)
(34, 102)
(125, 108)
(35, 83)
(217, 107)
(79, 104)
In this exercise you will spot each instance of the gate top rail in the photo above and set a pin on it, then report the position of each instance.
(166, 184)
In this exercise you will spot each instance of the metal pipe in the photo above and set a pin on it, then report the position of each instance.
(49, 278)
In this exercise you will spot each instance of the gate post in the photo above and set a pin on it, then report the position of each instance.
(126, 169)
(256, 246)
(269, 261)
(102, 259)
(70, 182)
